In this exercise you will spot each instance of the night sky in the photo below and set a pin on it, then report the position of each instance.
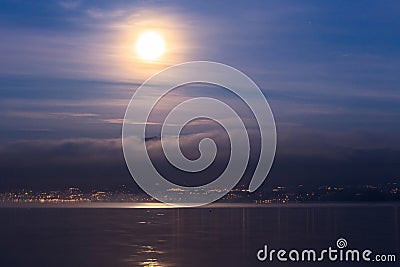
(330, 71)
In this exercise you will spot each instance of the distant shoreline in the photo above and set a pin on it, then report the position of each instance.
(137, 205)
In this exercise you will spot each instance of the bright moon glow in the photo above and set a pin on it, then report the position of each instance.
(150, 46)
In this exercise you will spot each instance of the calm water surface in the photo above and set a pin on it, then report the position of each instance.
(216, 236)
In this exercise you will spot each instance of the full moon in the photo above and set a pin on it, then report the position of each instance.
(150, 46)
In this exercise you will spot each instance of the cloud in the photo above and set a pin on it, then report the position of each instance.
(73, 151)
(48, 115)
(303, 156)
(97, 13)
(98, 42)
(69, 4)
(84, 162)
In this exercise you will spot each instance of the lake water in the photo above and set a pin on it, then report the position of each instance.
(225, 235)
